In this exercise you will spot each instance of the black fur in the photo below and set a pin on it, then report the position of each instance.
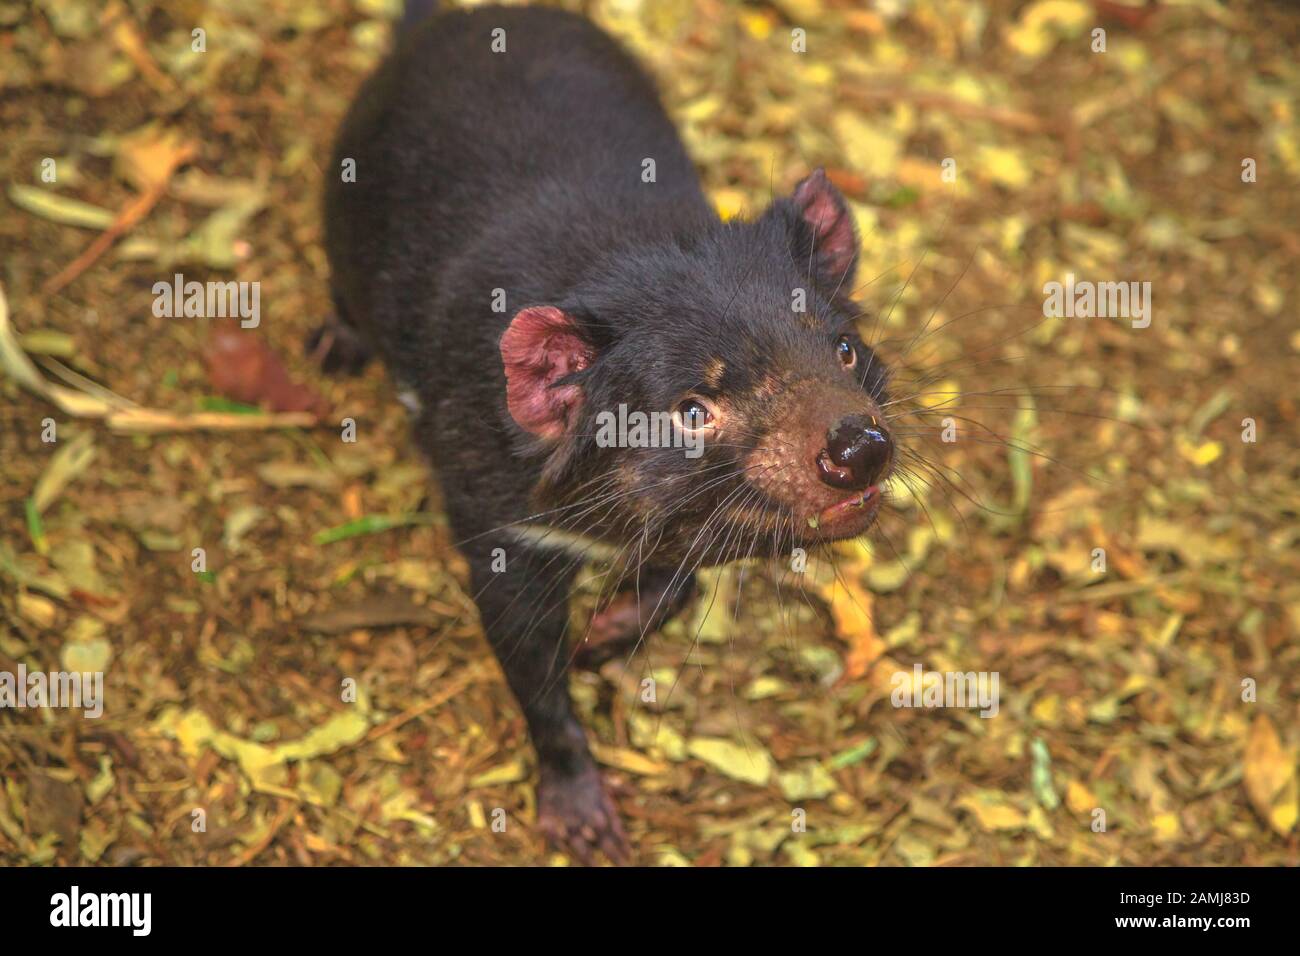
(522, 171)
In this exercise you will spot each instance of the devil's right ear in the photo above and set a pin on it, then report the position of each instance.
(542, 346)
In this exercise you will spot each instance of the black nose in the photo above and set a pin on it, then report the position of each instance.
(856, 454)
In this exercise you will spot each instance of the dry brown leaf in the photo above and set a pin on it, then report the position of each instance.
(147, 157)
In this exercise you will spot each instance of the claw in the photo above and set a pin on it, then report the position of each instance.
(577, 815)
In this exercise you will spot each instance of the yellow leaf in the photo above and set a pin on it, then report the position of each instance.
(264, 766)
(757, 25)
(1046, 710)
(192, 731)
(629, 760)
(810, 781)
(346, 727)
(401, 806)
(1286, 810)
(1165, 826)
(748, 764)
(1200, 454)
(1042, 24)
(992, 811)
(1004, 166)
(477, 818)
(851, 611)
(258, 763)
(851, 608)
(818, 74)
(1269, 775)
(1079, 798)
(511, 772)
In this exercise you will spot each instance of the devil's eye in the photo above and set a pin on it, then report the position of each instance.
(693, 415)
(845, 350)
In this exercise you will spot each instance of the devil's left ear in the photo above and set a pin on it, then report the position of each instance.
(831, 240)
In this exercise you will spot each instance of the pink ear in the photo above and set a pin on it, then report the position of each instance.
(541, 346)
(827, 215)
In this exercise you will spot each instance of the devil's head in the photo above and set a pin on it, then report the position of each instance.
(741, 341)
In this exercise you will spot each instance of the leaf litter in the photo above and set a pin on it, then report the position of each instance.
(1161, 688)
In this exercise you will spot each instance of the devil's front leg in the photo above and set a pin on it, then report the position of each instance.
(626, 619)
(522, 600)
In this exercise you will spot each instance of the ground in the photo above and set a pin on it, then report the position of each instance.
(1113, 531)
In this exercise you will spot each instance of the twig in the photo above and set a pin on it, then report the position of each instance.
(152, 421)
(1016, 119)
(253, 852)
(437, 700)
(131, 214)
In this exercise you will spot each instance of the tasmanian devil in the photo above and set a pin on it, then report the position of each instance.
(514, 226)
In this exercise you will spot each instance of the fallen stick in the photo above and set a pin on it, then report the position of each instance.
(1015, 119)
(152, 421)
(437, 700)
(131, 214)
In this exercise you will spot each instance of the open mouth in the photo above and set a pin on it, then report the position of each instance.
(848, 517)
